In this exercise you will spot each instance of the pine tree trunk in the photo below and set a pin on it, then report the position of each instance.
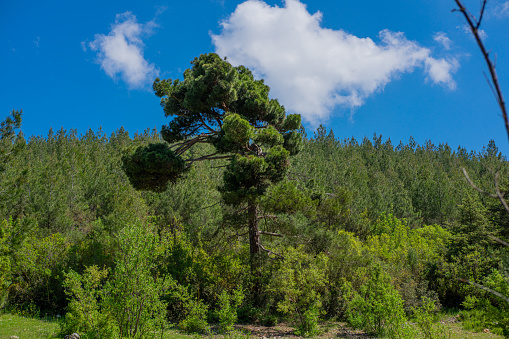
(254, 249)
(254, 233)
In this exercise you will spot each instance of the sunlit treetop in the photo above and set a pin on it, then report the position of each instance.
(222, 105)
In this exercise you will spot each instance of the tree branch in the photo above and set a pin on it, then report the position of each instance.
(465, 173)
(272, 234)
(208, 157)
(474, 27)
(270, 252)
(499, 195)
(207, 126)
(482, 13)
(500, 241)
(487, 289)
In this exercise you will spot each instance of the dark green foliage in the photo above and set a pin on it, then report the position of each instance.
(8, 147)
(151, 167)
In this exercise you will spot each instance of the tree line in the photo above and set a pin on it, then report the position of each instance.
(351, 227)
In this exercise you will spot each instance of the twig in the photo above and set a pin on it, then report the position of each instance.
(482, 13)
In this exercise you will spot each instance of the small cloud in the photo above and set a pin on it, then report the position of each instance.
(441, 70)
(501, 10)
(466, 29)
(36, 41)
(443, 39)
(120, 53)
(312, 69)
(161, 9)
(84, 46)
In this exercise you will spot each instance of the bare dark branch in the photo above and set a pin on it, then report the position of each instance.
(474, 27)
(482, 13)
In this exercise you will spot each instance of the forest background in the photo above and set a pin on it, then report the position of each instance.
(346, 208)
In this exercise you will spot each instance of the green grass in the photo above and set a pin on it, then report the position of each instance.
(26, 328)
(29, 328)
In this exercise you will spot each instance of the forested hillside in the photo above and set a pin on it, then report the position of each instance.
(355, 228)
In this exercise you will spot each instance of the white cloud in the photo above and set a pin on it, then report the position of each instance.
(120, 53)
(502, 9)
(312, 69)
(443, 39)
(466, 29)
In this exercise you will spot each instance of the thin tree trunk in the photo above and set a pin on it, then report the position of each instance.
(254, 232)
(254, 249)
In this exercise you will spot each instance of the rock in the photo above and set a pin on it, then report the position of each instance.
(13, 337)
(486, 330)
(72, 336)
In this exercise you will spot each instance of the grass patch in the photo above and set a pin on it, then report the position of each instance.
(26, 328)
(30, 328)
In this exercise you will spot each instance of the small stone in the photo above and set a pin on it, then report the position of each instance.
(13, 337)
(486, 330)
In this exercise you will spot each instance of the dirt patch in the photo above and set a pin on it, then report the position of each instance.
(330, 330)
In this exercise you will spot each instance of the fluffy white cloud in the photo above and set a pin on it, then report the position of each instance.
(312, 69)
(120, 53)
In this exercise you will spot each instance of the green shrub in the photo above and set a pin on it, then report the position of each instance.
(485, 310)
(128, 305)
(426, 320)
(309, 322)
(195, 320)
(38, 273)
(84, 314)
(228, 306)
(378, 308)
(299, 283)
(5, 260)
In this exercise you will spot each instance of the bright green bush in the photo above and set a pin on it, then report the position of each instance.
(228, 307)
(299, 283)
(195, 320)
(5, 260)
(378, 308)
(38, 272)
(84, 313)
(426, 319)
(485, 310)
(129, 304)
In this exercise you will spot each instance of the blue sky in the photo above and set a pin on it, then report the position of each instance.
(396, 68)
